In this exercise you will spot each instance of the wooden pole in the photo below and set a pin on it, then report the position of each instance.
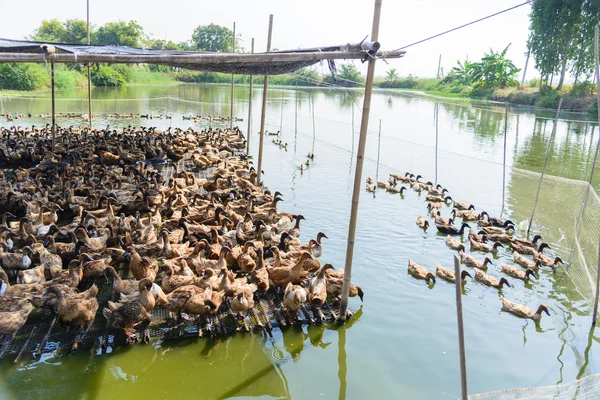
(89, 74)
(53, 106)
(439, 65)
(461, 332)
(545, 162)
(525, 69)
(504, 154)
(264, 106)
(362, 141)
(211, 61)
(296, 111)
(248, 134)
(232, 83)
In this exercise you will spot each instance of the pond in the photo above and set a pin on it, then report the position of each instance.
(402, 341)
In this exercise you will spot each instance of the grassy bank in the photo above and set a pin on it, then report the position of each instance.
(579, 98)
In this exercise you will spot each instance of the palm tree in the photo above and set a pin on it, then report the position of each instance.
(391, 75)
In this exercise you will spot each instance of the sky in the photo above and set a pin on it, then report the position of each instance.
(308, 23)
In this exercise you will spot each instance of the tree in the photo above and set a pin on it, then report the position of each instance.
(212, 38)
(50, 31)
(561, 35)
(494, 70)
(391, 75)
(350, 75)
(120, 33)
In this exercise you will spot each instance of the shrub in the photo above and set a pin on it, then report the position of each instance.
(535, 82)
(23, 76)
(549, 100)
(594, 108)
(107, 76)
(125, 70)
(68, 79)
(408, 83)
(582, 89)
(481, 92)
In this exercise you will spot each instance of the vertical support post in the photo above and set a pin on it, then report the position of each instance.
(378, 150)
(461, 332)
(504, 154)
(545, 162)
(439, 65)
(53, 106)
(264, 106)
(362, 141)
(89, 74)
(437, 113)
(232, 83)
(248, 134)
(525, 69)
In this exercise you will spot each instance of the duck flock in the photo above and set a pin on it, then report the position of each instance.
(486, 236)
(100, 210)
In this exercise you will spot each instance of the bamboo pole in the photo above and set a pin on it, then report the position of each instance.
(545, 163)
(211, 61)
(461, 332)
(504, 154)
(281, 115)
(364, 124)
(264, 106)
(89, 74)
(250, 105)
(53, 106)
(232, 83)
(525, 69)
(439, 65)
(296, 111)
(352, 127)
(597, 289)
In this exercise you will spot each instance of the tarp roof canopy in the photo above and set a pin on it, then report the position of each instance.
(272, 63)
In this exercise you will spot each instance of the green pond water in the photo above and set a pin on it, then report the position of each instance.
(402, 341)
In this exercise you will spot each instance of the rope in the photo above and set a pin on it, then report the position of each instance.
(464, 25)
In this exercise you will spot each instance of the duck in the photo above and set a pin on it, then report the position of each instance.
(202, 303)
(171, 281)
(395, 189)
(526, 262)
(317, 247)
(524, 311)
(422, 223)
(260, 275)
(486, 248)
(317, 289)
(452, 230)
(243, 299)
(73, 310)
(281, 276)
(294, 296)
(472, 262)
(528, 250)
(463, 206)
(491, 230)
(518, 273)
(454, 244)
(419, 272)
(490, 281)
(528, 243)
(178, 298)
(122, 286)
(14, 317)
(547, 261)
(449, 275)
(131, 313)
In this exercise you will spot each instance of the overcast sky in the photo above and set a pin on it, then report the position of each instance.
(307, 23)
